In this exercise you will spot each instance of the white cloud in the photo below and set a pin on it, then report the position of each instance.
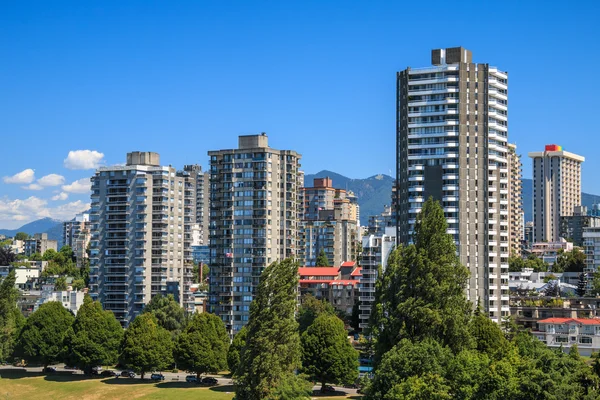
(83, 159)
(25, 176)
(51, 180)
(15, 213)
(79, 186)
(60, 196)
(33, 186)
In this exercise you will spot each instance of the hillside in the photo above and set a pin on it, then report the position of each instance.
(50, 226)
(373, 192)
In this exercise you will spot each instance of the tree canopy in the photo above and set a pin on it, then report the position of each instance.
(322, 260)
(310, 309)
(146, 346)
(570, 261)
(422, 292)
(41, 339)
(11, 318)
(202, 346)
(327, 354)
(235, 350)
(272, 350)
(169, 314)
(94, 338)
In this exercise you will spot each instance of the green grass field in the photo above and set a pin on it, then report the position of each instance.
(19, 385)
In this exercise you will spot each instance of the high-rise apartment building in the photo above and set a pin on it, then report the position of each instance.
(330, 223)
(39, 243)
(201, 186)
(452, 146)
(556, 190)
(515, 209)
(138, 246)
(254, 209)
(76, 234)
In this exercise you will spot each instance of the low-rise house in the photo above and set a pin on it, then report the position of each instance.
(70, 299)
(565, 332)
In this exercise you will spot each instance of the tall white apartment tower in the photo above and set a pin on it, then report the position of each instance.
(254, 209)
(556, 190)
(452, 146)
(138, 247)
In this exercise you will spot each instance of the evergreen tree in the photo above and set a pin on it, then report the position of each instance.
(487, 335)
(95, 337)
(322, 260)
(310, 309)
(422, 293)
(202, 347)
(21, 236)
(235, 350)
(41, 339)
(355, 317)
(7, 257)
(169, 314)
(272, 348)
(327, 354)
(10, 316)
(146, 346)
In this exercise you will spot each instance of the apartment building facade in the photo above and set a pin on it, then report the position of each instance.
(254, 221)
(452, 134)
(39, 243)
(556, 190)
(515, 197)
(138, 238)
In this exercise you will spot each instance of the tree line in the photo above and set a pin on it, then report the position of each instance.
(430, 342)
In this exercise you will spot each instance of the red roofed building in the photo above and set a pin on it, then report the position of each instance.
(565, 332)
(328, 283)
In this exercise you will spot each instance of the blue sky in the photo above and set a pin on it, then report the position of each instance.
(185, 77)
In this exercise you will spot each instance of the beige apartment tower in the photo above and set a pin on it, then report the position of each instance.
(515, 197)
(452, 133)
(139, 235)
(556, 190)
(254, 217)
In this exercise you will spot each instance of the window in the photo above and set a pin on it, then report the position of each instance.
(585, 340)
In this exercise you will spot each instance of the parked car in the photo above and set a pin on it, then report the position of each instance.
(49, 370)
(328, 389)
(192, 379)
(157, 377)
(351, 386)
(96, 370)
(109, 372)
(209, 380)
(128, 374)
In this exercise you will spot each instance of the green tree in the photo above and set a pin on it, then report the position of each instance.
(322, 260)
(35, 257)
(95, 337)
(515, 264)
(310, 309)
(60, 284)
(355, 317)
(202, 347)
(293, 387)
(67, 253)
(272, 348)
(41, 339)
(49, 255)
(570, 261)
(21, 236)
(327, 354)
(10, 316)
(169, 314)
(146, 346)
(422, 292)
(235, 350)
(78, 284)
(488, 336)
(6, 256)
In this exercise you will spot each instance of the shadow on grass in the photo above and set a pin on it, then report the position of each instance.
(179, 385)
(69, 377)
(18, 373)
(127, 381)
(223, 389)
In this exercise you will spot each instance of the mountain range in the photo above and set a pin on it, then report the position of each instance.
(52, 227)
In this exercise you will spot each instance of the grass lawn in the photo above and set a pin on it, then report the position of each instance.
(20, 385)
